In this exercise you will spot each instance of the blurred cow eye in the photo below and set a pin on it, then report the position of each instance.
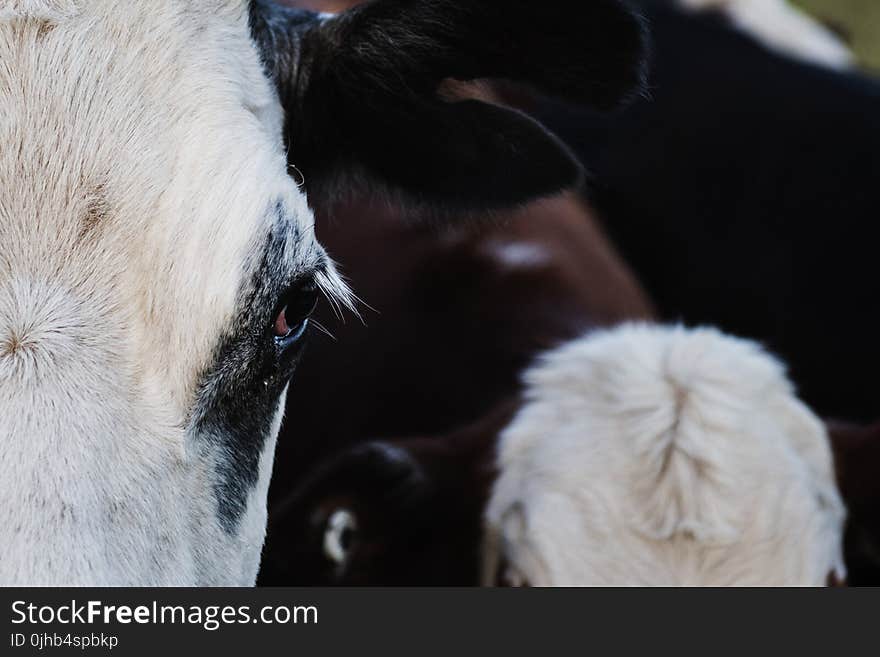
(296, 307)
(339, 536)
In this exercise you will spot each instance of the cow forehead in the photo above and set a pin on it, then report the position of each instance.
(142, 165)
(686, 450)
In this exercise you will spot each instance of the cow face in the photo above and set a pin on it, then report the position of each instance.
(157, 268)
(158, 264)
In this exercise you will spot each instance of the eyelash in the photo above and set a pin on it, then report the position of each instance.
(296, 305)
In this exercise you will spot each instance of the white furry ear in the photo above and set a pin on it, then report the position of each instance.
(653, 455)
(51, 10)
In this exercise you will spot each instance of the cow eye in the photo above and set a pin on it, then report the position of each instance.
(339, 535)
(294, 311)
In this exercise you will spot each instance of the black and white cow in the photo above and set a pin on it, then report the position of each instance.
(158, 264)
(744, 195)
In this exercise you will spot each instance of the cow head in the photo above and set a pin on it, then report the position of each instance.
(654, 456)
(158, 264)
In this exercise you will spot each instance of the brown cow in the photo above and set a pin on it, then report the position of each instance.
(457, 315)
(470, 308)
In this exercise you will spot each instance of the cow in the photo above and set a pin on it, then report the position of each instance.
(655, 457)
(158, 262)
(638, 455)
(406, 510)
(743, 196)
(436, 372)
(451, 318)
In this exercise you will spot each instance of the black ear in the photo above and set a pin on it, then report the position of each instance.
(361, 92)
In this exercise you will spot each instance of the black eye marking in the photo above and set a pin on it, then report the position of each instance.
(239, 391)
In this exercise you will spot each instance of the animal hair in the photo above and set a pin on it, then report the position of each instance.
(369, 112)
(648, 455)
(47, 10)
(142, 168)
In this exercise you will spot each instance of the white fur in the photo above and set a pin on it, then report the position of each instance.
(782, 27)
(663, 456)
(153, 120)
(38, 9)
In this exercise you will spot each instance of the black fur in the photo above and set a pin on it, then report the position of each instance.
(744, 193)
(387, 492)
(361, 92)
(417, 504)
(240, 391)
(453, 330)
